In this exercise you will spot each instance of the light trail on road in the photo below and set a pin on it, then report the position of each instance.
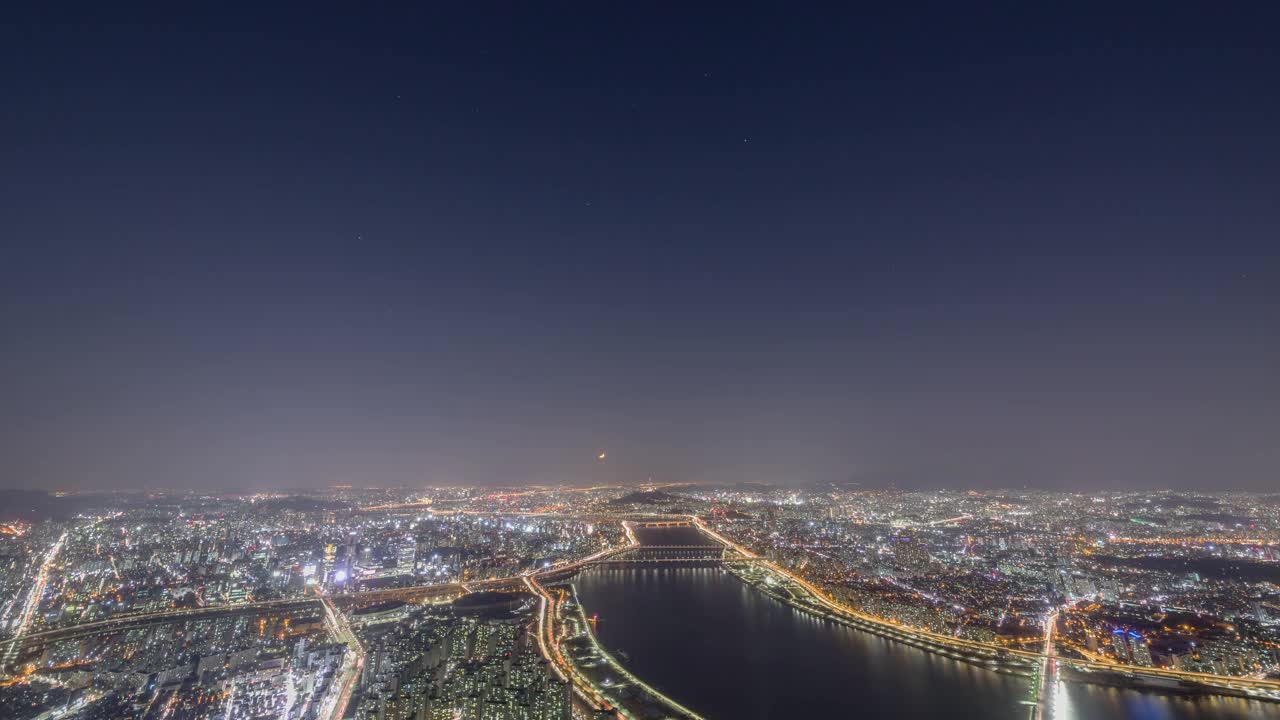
(1047, 678)
(548, 644)
(334, 707)
(1254, 687)
(33, 601)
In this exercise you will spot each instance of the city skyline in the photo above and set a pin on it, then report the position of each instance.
(635, 603)
(639, 361)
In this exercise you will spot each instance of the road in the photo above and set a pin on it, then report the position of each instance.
(549, 622)
(1046, 681)
(344, 683)
(1269, 689)
(32, 603)
(551, 633)
(548, 643)
(335, 704)
(126, 620)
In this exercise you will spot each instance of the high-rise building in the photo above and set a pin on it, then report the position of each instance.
(1120, 644)
(406, 554)
(1141, 651)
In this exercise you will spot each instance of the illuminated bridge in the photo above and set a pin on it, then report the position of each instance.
(309, 606)
(665, 554)
(294, 608)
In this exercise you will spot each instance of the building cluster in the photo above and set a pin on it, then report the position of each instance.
(446, 665)
(239, 589)
(154, 552)
(1187, 582)
(281, 666)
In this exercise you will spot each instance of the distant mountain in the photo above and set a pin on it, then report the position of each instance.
(734, 487)
(32, 505)
(298, 503)
(652, 497)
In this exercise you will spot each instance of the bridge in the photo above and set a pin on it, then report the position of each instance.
(414, 593)
(821, 602)
(638, 552)
(294, 607)
(641, 548)
(665, 553)
(660, 561)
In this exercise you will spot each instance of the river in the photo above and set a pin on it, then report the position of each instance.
(729, 652)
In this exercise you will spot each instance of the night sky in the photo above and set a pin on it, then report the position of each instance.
(962, 245)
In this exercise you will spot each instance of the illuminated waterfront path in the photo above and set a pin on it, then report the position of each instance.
(819, 600)
(566, 639)
(728, 650)
(610, 683)
(1046, 697)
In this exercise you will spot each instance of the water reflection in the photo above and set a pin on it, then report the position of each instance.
(728, 651)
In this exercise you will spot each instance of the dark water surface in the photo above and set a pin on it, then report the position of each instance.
(730, 652)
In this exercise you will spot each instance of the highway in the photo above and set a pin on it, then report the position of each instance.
(32, 603)
(1262, 689)
(129, 620)
(1046, 680)
(626, 674)
(334, 617)
(344, 684)
(549, 622)
(551, 633)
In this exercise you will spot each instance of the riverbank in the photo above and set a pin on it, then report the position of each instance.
(629, 695)
(786, 589)
(717, 645)
(783, 589)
